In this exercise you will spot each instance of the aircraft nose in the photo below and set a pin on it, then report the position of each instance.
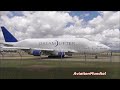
(104, 47)
(107, 48)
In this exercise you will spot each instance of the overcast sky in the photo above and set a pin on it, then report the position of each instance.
(99, 26)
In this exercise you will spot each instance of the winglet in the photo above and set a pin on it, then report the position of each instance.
(7, 35)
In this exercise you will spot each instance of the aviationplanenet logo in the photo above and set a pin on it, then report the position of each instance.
(89, 73)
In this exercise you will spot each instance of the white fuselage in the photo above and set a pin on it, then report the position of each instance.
(79, 45)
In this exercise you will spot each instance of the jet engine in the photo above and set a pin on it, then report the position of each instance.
(57, 54)
(61, 54)
(36, 52)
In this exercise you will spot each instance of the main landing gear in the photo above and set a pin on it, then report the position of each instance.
(96, 57)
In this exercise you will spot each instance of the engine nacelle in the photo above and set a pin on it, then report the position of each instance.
(61, 54)
(58, 54)
(36, 52)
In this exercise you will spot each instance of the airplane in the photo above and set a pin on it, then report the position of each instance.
(54, 46)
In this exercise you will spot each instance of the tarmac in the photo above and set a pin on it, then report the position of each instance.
(104, 57)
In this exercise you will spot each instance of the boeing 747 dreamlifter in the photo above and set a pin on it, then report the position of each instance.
(54, 46)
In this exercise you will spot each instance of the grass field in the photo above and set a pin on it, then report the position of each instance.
(49, 69)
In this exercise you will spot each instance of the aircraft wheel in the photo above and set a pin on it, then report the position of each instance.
(96, 56)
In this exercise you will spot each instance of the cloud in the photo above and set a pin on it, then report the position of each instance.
(44, 24)
(87, 14)
(3, 13)
(107, 20)
(37, 24)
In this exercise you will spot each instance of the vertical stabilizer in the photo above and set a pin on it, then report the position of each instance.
(7, 35)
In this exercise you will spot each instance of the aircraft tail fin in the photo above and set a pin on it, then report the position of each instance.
(7, 35)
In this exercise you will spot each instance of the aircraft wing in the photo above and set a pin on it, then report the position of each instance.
(6, 44)
(42, 49)
(17, 48)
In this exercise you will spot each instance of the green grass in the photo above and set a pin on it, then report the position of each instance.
(40, 69)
